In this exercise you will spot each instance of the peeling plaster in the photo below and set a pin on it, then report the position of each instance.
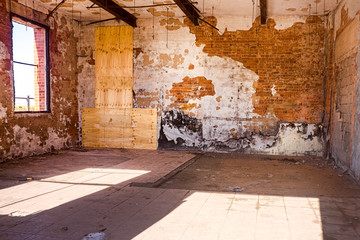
(3, 114)
(26, 142)
(296, 139)
(4, 54)
(227, 118)
(273, 90)
(27, 134)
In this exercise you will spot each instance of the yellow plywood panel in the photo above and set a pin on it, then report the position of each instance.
(114, 123)
(114, 67)
(120, 128)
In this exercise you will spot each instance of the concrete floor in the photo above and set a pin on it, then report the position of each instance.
(107, 194)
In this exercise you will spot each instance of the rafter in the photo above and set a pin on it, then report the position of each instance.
(190, 10)
(116, 10)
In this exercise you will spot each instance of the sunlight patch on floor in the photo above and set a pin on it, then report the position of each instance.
(44, 194)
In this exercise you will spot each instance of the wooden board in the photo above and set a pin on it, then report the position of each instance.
(119, 128)
(114, 123)
(114, 67)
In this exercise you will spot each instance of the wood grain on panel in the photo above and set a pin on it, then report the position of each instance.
(120, 128)
(114, 67)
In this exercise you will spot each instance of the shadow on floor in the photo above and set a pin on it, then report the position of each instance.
(78, 193)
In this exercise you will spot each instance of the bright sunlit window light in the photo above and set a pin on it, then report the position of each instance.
(30, 60)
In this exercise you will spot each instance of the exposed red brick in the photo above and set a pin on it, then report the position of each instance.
(190, 88)
(291, 59)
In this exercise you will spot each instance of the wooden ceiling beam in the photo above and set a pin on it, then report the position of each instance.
(190, 10)
(263, 11)
(116, 10)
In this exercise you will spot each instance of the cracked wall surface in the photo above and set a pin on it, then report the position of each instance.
(233, 91)
(344, 106)
(213, 91)
(26, 134)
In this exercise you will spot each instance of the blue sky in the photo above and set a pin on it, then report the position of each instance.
(23, 51)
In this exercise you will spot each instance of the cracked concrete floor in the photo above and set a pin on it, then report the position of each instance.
(88, 195)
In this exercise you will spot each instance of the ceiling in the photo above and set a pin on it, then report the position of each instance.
(80, 9)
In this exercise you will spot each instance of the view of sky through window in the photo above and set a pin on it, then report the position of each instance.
(23, 51)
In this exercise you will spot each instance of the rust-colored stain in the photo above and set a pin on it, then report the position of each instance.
(173, 61)
(91, 59)
(190, 89)
(188, 106)
(177, 60)
(291, 9)
(156, 13)
(147, 61)
(191, 66)
(74, 11)
(137, 52)
(345, 20)
(217, 108)
(172, 24)
(218, 98)
(64, 5)
(144, 99)
(291, 59)
(304, 9)
(165, 59)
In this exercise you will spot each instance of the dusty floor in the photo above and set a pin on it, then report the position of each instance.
(95, 194)
(257, 174)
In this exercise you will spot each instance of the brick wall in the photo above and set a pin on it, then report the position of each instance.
(40, 74)
(240, 87)
(190, 88)
(345, 131)
(345, 69)
(291, 61)
(26, 134)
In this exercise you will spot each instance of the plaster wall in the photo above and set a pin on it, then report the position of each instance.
(26, 134)
(211, 100)
(345, 111)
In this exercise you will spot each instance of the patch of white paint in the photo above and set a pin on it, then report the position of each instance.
(4, 54)
(54, 140)
(284, 22)
(27, 144)
(259, 143)
(273, 90)
(232, 23)
(3, 113)
(293, 142)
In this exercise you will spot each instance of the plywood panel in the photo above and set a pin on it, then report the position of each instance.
(120, 128)
(114, 123)
(114, 67)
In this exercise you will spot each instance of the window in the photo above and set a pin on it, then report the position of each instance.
(30, 66)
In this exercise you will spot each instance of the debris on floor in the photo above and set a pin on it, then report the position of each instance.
(95, 236)
(236, 189)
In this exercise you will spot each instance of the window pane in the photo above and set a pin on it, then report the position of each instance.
(24, 85)
(29, 65)
(23, 43)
